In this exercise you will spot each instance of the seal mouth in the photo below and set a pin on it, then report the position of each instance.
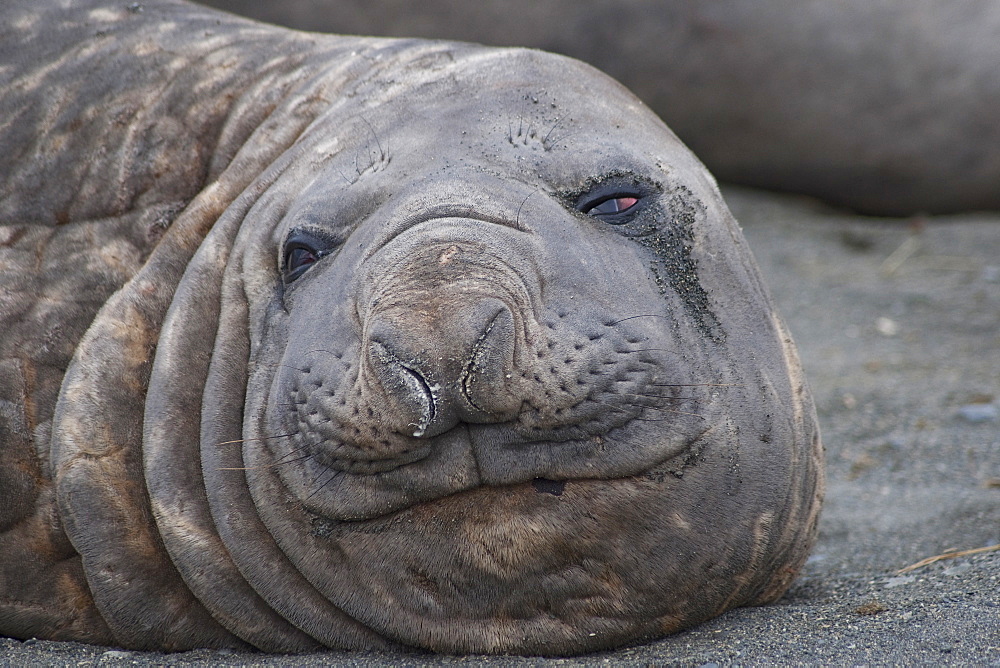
(673, 467)
(541, 481)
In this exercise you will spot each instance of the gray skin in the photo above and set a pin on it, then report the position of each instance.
(885, 106)
(311, 340)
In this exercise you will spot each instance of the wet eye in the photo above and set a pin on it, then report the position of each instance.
(303, 250)
(612, 205)
(618, 200)
(297, 260)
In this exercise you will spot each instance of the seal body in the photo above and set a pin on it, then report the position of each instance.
(318, 341)
(886, 107)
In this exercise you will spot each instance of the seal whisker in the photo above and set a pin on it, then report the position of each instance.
(288, 366)
(284, 459)
(563, 137)
(545, 139)
(647, 395)
(288, 459)
(260, 468)
(633, 317)
(262, 438)
(383, 154)
(517, 216)
(334, 473)
(697, 385)
(321, 350)
(645, 407)
(347, 180)
(666, 410)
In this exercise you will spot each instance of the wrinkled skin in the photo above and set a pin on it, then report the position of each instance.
(885, 106)
(312, 341)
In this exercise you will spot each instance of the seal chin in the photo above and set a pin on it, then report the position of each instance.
(542, 566)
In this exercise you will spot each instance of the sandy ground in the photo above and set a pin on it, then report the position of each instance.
(898, 324)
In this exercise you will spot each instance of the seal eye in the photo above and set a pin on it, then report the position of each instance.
(297, 260)
(619, 200)
(612, 205)
(302, 250)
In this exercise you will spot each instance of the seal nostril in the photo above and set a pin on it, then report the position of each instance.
(490, 364)
(546, 486)
(421, 388)
(406, 384)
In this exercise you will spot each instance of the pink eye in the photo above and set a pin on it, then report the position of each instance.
(613, 205)
(299, 257)
(303, 249)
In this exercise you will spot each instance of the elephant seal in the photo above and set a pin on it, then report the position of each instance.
(321, 341)
(887, 107)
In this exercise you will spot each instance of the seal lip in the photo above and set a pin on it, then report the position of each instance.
(688, 456)
(543, 483)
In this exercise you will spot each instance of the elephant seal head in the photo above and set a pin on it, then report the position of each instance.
(479, 363)
(515, 377)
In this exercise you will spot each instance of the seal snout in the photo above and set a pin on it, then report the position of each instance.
(445, 363)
